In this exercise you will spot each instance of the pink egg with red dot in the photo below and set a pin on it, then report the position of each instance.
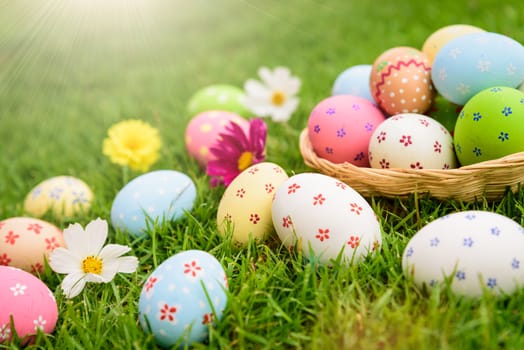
(340, 128)
(203, 131)
(28, 301)
(26, 242)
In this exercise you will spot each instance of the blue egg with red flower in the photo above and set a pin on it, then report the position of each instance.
(183, 297)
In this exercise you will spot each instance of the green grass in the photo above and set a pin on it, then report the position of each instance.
(68, 73)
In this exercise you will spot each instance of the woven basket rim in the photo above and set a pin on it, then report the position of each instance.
(488, 179)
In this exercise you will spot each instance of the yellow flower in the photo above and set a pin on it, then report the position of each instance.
(132, 143)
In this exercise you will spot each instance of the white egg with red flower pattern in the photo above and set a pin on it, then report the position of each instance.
(27, 302)
(412, 141)
(61, 195)
(203, 131)
(27, 242)
(473, 251)
(244, 212)
(325, 218)
(183, 297)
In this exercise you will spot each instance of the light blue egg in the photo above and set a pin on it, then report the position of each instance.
(354, 81)
(471, 63)
(155, 196)
(182, 298)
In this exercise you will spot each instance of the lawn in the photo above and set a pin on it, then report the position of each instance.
(71, 69)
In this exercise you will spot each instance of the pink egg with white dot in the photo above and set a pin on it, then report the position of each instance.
(411, 141)
(28, 302)
(341, 126)
(203, 131)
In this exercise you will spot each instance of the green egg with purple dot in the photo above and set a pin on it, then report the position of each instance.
(490, 125)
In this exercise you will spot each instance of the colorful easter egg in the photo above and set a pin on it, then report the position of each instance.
(325, 219)
(157, 196)
(442, 36)
(354, 81)
(26, 242)
(340, 127)
(472, 251)
(401, 81)
(221, 97)
(64, 196)
(184, 296)
(244, 211)
(474, 62)
(490, 125)
(412, 141)
(28, 303)
(203, 131)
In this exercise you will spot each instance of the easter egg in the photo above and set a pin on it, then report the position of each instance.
(442, 36)
(203, 131)
(400, 81)
(155, 196)
(475, 251)
(474, 62)
(354, 81)
(244, 211)
(445, 112)
(28, 302)
(411, 140)
(182, 298)
(26, 242)
(221, 97)
(325, 218)
(490, 125)
(340, 127)
(64, 196)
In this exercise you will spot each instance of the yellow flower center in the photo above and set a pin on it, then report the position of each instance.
(92, 264)
(245, 160)
(278, 98)
(133, 143)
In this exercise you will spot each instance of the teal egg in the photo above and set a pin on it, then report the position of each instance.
(490, 125)
(218, 97)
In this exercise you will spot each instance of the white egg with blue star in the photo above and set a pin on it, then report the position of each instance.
(182, 298)
(474, 251)
(154, 197)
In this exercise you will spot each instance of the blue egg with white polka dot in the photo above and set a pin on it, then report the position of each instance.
(152, 198)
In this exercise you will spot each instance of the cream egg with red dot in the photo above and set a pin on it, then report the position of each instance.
(26, 243)
(204, 130)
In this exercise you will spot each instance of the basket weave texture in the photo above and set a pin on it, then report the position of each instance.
(488, 179)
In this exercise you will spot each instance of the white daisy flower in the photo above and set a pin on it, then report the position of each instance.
(275, 96)
(87, 260)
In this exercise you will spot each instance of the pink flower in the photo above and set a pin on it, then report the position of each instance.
(237, 151)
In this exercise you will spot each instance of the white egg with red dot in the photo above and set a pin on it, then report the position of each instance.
(412, 141)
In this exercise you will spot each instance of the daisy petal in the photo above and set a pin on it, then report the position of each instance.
(127, 264)
(113, 251)
(256, 90)
(91, 277)
(97, 230)
(63, 260)
(266, 75)
(75, 239)
(73, 284)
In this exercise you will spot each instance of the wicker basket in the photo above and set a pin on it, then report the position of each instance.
(488, 179)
